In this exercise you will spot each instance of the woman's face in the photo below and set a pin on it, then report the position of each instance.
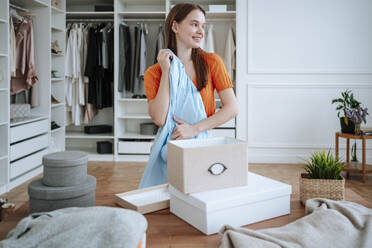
(190, 30)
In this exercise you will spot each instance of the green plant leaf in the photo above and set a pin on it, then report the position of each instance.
(322, 165)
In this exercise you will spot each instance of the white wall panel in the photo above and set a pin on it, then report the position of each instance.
(298, 117)
(286, 123)
(299, 36)
(294, 57)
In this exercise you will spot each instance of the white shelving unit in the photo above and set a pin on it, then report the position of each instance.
(4, 96)
(23, 141)
(129, 113)
(57, 85)
(76, 139)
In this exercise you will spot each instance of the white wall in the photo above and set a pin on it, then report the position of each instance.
(293, 58)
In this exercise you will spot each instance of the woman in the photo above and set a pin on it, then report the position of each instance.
(184, 29)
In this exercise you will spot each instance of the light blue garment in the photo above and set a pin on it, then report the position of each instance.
(187, 105)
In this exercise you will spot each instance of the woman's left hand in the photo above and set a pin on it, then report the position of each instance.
(183, 130)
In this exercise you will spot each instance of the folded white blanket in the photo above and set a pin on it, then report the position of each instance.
(79, 227)
(328, 223)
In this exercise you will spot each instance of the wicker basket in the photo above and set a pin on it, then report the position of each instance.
(321, 188)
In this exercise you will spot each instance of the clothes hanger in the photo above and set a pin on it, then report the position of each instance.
(146, 30)
(15, 15)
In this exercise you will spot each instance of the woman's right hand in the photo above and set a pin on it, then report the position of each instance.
(163, 59)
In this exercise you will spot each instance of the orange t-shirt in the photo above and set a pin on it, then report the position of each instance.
(218, 78)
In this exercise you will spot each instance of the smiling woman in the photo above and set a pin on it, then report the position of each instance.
(184, 30)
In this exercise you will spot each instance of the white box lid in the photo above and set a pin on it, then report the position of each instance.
(259, 188)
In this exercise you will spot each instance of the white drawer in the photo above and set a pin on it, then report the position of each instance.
(230, 123)
(134, 147)
(26, 147)
(26, 131)
(26, 164)
(223, 133)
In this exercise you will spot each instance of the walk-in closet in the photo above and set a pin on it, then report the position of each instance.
(62, 104)
(32, 99)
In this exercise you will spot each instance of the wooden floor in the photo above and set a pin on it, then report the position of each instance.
(167, 230)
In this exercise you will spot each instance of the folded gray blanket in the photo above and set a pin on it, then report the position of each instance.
(328, 223)
(79, 227)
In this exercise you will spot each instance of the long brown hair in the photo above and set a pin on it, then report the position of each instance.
(178, 13)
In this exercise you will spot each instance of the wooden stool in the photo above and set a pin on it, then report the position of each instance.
(365, 168)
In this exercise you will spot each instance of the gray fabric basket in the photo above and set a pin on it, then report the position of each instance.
(44, 198)
(62, 169)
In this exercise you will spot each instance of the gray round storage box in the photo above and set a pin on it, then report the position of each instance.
(44, 198)
(63, 169)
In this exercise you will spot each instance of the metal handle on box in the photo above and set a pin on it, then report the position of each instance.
(217, 169)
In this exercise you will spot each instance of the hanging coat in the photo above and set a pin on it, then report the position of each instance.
(229, 59)
(159, 43)
(125, 53)
(209, 46)
(186, 104)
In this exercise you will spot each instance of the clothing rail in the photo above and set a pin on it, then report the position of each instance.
(89, 20)
(142, 20)
(18, 8)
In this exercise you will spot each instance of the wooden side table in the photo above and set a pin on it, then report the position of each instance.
(362, 168)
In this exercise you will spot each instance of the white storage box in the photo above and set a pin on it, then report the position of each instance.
(134, 147)
(145, 200)
(262, 199)
(196, 165)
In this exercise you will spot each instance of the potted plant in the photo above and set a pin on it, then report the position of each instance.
(322, 178)
(353, 112)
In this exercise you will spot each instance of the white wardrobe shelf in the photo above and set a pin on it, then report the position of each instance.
(142, 14)
(87, 14)
(57, 55)
(3, 157)
(3, 21)
(3, 123)
(57, 105)
(136, 136)
(81, 135)
(3, 55)
(57, 130)
(2, 89)
(58, 79)
(21, 121)
(134, 116)
(57, 29)
(57, 10)
(227, 14)
(30, 3)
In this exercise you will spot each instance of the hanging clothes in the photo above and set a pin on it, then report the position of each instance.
(159, 43)
(100, 79)
(136, 62)
(143, 53)
(25, 73)
(90, 110)
(125, 57)
(229, 58)
(74, 86)
(13, 48)
(202, 41)
(209, 46)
